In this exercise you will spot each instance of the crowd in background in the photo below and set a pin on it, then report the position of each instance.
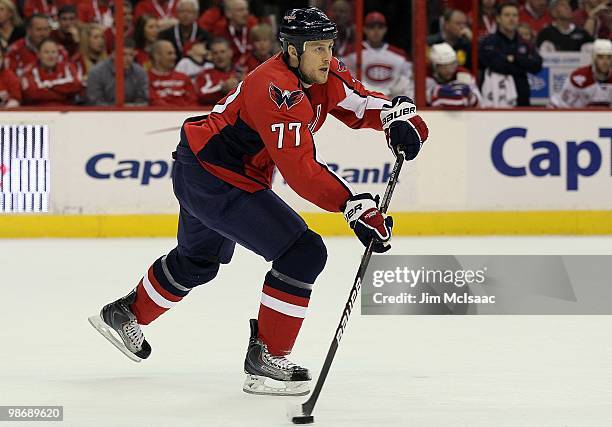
(182, 53)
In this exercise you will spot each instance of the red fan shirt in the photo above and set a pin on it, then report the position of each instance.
(209, 84)
(171, 89)
(51, 87)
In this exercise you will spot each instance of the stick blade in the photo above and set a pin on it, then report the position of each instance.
(297, 416)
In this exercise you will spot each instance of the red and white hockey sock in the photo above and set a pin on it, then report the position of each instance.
(156, 293)
(284, 301)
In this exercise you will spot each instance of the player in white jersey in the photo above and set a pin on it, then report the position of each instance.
(450, 86)
(589, 86)
(384, 67)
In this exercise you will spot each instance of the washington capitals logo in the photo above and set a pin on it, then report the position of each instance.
(286, 97)
(341, 66)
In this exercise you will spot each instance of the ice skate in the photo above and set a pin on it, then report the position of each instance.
(272, 375)
(118, 325)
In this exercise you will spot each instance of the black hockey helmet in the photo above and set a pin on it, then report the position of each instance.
(306, 24)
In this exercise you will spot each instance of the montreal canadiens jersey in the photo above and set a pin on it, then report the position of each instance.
(383, 69)
(269, 120)
(581, 89)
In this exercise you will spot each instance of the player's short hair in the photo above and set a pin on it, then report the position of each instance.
(510, 3)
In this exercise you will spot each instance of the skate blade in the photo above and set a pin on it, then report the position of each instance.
(108, 333)
(256, 384)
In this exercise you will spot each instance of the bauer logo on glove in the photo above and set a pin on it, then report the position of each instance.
(368, 223)
(404, 129)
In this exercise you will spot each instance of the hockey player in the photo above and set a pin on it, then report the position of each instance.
(591, 85)
(450, 86)
(222, 179)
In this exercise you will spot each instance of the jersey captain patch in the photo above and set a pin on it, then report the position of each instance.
(289, 98)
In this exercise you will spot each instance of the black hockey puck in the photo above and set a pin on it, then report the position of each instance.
(303, 419)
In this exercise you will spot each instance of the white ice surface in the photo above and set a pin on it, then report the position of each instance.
(389, 370)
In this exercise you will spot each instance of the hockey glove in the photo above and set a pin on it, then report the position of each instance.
(404, 128)
(362, 214)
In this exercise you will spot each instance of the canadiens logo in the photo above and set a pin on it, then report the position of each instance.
(341, 66)
(289, 98)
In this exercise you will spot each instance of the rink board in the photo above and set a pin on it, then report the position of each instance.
(536, 172)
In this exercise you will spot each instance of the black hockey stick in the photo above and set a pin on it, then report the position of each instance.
(302, 414)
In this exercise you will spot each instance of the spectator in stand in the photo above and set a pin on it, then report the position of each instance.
(236, 28)
(535, 13)
(163, 10)
(101, 83)
(186, 31)
(220, 77)
(384, 68)
(10, 90)
(526, 33)
(562, 34)
(92, 50)
(97, 12)
(145, 34)
(589, 86)
(342, 14)
(50, 82)
(507, 59)
(67, 34)
(214, 19)
(23, 53)
(167, 87)
(47, 8)
(456, 33)
(450, 86)
(594, 16)
(262, 40)
(11, 26)
(128, 26)
(194, 62)
(488, 23)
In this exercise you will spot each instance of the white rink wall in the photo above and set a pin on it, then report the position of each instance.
(106, 163)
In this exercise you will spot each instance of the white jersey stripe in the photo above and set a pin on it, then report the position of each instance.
(154, 295)
(283, 307)
(359, 104)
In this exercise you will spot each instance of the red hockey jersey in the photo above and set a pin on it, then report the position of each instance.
(269, 120)
(171, 89)
(21, 55)
(208, 84)
(51, 88)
